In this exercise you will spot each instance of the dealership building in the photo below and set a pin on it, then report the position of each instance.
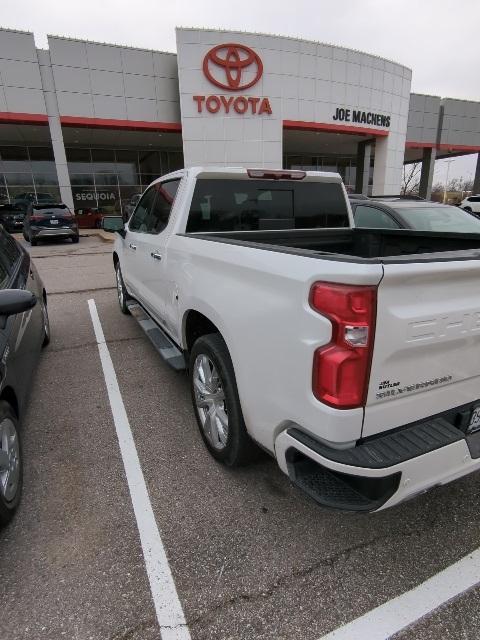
(92, 124)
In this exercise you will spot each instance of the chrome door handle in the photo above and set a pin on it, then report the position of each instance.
(155, 255)
(133, 246)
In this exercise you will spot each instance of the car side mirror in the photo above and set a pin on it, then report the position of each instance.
(113, 224)
(13, 301)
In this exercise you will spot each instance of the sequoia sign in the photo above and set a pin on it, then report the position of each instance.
(225, 66)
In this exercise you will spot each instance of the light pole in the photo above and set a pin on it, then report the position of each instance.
(446, 179)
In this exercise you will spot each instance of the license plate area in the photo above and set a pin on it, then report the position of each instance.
(53, 221)
(474, 424)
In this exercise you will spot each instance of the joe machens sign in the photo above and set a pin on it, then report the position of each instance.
(362, 117)
(233, 67)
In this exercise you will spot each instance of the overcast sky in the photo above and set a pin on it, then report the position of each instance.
(438, 39)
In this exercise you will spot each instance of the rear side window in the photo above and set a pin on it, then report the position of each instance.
(251, 205)
(9, 256)
(474, 199)
(153, 210)
(373, 218)
(3, 275)
(141, 217)
(165, 195)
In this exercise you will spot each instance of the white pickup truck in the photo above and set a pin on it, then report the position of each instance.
(351, 355)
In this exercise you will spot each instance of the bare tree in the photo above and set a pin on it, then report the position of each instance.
(459, 184)
(411, 178)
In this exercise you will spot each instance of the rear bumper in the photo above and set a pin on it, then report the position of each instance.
(53, 233)
(363, 479)
(13, 227)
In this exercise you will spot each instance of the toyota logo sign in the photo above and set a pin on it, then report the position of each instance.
(225, 64)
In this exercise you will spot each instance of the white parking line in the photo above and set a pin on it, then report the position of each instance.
(393, 616)
(169, 611)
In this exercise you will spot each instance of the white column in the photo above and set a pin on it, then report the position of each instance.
(388, 166)
(55, 127)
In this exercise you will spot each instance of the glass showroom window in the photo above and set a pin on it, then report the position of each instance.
(344, 165)
(110, 180)
(27, 174)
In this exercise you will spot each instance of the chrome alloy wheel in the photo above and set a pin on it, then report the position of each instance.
(121, 296)
(9, 459)
(210, 401)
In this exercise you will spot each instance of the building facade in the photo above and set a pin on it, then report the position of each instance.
(92, 124)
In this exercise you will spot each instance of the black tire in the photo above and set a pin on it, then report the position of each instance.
(238, 449)
(469, 209)
(8, 506)
(46, 324)
(33, 242)
(122, 293)
(75, 239)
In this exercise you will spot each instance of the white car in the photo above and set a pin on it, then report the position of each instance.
(351, 355)
(471, 203)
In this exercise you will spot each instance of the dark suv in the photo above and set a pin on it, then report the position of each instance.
(44, 221)
(11, 217)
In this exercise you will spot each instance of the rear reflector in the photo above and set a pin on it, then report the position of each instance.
(341, 369)
(268, 174)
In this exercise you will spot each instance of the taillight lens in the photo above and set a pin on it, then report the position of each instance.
(341, 369)
(36, 218)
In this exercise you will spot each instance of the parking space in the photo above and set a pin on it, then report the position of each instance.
(250, 555)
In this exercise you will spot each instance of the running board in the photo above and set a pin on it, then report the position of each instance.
(167, 349)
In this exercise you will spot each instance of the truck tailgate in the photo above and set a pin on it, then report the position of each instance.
(426, 356)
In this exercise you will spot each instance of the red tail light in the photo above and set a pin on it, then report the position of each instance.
(341, 369)
(36, 218)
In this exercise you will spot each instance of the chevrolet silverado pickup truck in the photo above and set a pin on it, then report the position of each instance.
(351, 355)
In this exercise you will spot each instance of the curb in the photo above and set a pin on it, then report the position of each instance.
(99, 233)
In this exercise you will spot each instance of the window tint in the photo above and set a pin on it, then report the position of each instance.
(141, 214)
(373, 218)
(9, 255)
(153, 210)
(250, 205)
(440, 218)
(474, 199)
(3, 276)
(163, 204)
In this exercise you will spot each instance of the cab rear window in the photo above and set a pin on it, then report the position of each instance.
(252, 205)
(46, 210)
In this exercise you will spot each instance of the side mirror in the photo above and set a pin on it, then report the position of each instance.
(13, 301)
(113, 224)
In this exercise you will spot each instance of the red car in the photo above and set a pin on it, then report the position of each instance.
(88, 218)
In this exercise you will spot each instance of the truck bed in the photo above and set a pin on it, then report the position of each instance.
(358, 245)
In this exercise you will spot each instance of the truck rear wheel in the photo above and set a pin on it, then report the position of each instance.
(216, 402)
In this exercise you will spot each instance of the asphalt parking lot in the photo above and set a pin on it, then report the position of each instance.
(252, 558)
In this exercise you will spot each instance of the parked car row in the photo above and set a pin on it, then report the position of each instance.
(358, 406)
